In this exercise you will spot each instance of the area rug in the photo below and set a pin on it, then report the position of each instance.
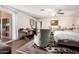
(54, 49)
(29, 49)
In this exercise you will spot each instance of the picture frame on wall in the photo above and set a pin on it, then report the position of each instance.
(33, 23)
(54, 22)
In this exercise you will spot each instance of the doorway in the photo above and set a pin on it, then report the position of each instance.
(5, 26)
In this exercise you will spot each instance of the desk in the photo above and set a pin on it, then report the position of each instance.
(26, 33)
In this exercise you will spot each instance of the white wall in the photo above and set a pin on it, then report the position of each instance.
(19, 20)
(64, 22)
(77, 21)
(23, 21)
(45, 22)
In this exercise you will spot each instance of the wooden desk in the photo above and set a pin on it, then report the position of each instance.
(26, 33)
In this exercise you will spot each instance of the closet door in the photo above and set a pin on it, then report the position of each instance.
(5, 27)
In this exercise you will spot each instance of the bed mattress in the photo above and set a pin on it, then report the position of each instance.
(66, 35)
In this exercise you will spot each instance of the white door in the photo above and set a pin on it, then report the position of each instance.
(5, 25)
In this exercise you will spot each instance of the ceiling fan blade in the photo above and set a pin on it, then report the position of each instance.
(60, 13)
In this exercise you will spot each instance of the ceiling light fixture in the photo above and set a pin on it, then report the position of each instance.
(42, 9)
(60, 11)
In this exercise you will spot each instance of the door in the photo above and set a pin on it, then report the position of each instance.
(5, 25)
(5, 28)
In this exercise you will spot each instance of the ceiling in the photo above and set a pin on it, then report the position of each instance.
(44, 11)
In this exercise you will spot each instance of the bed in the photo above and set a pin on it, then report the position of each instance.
(70, 38)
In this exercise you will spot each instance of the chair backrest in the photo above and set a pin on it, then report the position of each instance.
(44, 37)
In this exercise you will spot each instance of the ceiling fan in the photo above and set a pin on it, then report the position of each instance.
(60, 12)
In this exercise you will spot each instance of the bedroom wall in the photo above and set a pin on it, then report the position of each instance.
(23, 21)
(45, 22)
(76, 22)
(19, 20)
(64, 22)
